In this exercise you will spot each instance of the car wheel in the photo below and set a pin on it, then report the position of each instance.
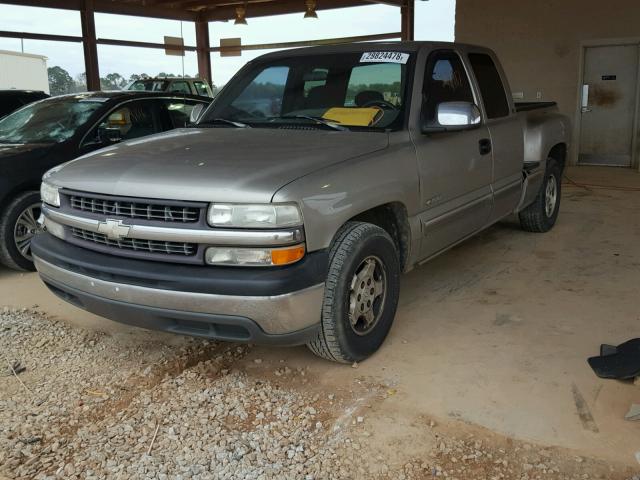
(18, 226)
(361, 294)
(541, 215)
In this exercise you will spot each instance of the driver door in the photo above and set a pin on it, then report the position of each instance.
(455, 167)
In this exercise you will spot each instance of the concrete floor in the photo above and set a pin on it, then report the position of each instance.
(497, 331)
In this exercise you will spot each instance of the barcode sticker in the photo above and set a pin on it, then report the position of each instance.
(385, 57)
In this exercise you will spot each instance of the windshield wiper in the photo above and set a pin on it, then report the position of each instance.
(320, 120)
(226, 121)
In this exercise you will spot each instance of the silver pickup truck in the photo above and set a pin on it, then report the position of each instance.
(286, 214)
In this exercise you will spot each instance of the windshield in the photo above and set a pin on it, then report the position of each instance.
(49, 121)
(354, 90)
(149, 85)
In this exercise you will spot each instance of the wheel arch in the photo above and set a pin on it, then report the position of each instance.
(17, 190)
(559, 153)
(394, 219)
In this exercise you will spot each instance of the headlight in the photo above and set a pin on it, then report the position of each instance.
(253, 216)
(50, 194)
(254, 257)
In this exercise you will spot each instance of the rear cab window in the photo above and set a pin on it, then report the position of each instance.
(180, 87)
(492, 89)
(373, 83)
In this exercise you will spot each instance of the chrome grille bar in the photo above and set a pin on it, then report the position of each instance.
(135, 209)
(152, 246)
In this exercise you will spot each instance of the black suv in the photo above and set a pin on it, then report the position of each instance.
(11, 100)
(42, 135)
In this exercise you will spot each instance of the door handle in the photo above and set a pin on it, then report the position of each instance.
(485, 146)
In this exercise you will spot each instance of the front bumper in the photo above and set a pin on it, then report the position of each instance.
(275, 306)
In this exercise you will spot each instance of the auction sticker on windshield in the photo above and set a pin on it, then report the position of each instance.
(386, 57)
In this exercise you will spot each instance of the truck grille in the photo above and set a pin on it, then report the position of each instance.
(139, 209)
(150, 246)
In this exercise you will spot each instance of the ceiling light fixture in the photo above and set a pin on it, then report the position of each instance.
(310, 5)
(241, 13)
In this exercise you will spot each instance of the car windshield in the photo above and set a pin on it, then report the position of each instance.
(50, 121)
(149, 85)
(355, 90)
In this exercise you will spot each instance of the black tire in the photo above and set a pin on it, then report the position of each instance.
(356, 247)
(10, 254)
(540, 217)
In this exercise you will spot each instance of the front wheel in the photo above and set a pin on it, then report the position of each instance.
(541, 215)
(18, 226)
(361, 294)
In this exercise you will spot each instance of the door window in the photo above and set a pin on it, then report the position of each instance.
(446, 81)
(493, 93)
(179, 111)
(201, 89)
(130, 120)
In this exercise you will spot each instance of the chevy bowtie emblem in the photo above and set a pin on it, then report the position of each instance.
(114, 229)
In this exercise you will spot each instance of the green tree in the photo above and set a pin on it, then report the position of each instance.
(60, 82)
(112, 81)
(80, 82)
(136, 76)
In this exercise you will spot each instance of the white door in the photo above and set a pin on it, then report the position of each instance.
(608, 105)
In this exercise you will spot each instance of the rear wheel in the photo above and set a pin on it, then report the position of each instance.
(18, 226)
(361, 294)
(541, 215)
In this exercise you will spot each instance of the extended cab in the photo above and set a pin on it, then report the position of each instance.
(288, 212)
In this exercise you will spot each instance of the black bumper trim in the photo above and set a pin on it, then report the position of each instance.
(212, 326)
(310, 271)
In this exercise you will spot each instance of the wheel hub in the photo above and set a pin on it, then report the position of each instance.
(25, 229)
(367, 295)
(551, 196)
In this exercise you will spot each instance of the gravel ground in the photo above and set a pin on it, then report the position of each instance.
(95, 406)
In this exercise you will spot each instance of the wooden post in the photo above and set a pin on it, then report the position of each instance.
(202, 49)
(90, 47)
(407, 19)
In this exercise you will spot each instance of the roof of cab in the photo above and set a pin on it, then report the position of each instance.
(405, 46)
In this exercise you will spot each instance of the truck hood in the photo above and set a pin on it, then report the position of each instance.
(212, 164)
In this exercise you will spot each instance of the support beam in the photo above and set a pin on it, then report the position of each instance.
(39, 36)
(90, 46)
(407, 19)
(202, 49)
(315, 43)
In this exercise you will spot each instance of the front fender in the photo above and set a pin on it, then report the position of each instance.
(332, 196)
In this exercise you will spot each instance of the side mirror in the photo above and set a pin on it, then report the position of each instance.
(108, 136)
(196, 112)
(453, 116)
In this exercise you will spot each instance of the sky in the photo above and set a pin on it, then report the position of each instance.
(435, 20)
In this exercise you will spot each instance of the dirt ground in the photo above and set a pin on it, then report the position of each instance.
(484, 374)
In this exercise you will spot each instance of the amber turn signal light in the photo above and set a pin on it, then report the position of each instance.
(285, 256)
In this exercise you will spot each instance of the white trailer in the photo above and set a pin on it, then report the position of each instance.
(23, 71)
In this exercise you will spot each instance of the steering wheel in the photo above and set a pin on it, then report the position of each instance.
(382, 104)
